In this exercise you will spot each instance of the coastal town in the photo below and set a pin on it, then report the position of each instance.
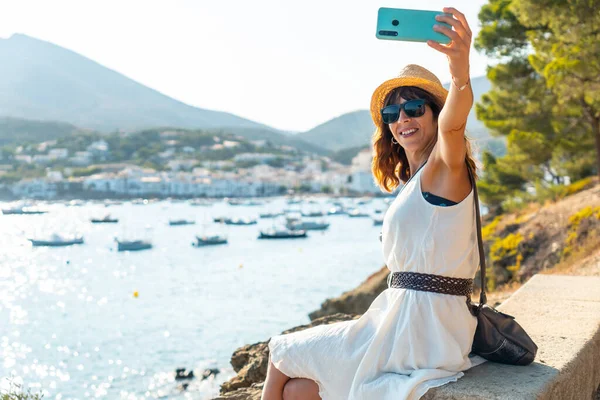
(256, 168)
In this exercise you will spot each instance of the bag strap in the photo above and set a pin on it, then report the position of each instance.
(482, 266)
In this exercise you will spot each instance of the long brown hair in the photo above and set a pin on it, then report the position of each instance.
(390, 164)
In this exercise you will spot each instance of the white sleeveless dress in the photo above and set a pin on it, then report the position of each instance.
(407, 341)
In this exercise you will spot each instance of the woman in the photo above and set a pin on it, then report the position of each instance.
(408, 341)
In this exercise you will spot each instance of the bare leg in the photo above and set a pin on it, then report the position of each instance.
(273, 387)
(301, 389)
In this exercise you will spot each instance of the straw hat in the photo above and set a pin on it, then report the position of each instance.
(411, 75)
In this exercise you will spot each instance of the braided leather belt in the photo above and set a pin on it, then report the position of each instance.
(431, 283)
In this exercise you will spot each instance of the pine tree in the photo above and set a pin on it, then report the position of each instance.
(549, 128)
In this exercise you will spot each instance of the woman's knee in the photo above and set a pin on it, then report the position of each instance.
(301, 389)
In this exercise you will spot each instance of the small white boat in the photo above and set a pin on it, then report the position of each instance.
(179, 222)
(356, 213)
(281, 233)
(312, 214)
(104, 220)
(337, 210)
(22, 211)
(239, 221)
(295, 224)
(132, 245)
(271, 214)
(235, 202)
(209, 240)
(200, 202)
(57, 241)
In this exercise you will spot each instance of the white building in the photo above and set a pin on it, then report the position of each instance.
(218, 164)
(24, 158)
(182, 164)
(230, 143)
(259, 143)
(313, 167)
(54, 175)
(82, 158)
(99, 149)
(42, 159)
(258, 157)
(58, 154)
(362, 179)
(34, 188)
(188, 149)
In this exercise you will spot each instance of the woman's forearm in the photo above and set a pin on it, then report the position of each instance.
(454, 116)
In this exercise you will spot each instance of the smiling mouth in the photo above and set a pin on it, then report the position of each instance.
(409, 132)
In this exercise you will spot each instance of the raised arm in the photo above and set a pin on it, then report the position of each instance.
(452, 121)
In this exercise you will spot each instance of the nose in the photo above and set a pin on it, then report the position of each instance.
(403, 117)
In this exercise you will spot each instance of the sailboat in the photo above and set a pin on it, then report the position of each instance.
(205, 239)
(132, 245)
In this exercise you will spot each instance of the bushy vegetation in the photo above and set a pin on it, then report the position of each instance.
(15, 392)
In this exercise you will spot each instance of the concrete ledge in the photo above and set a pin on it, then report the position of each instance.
(562, 316)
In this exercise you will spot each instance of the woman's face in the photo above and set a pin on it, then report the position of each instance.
(418, 131)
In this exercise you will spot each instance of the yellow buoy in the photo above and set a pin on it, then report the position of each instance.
(136, 294)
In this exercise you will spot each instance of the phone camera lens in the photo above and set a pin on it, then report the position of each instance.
(395, 22)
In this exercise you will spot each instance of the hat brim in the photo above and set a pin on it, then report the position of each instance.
(380, 94)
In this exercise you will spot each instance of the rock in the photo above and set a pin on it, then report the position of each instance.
(180, 374)
(251, 362)
(355, 301)
(253, 392)
(210, 372)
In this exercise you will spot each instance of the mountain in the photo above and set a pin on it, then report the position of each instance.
(348, 130)
(354, 129)
(43, 81)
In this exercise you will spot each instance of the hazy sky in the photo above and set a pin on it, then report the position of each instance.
(288, 64)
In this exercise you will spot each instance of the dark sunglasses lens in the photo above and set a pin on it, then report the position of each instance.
(390, 114)
(414, 108)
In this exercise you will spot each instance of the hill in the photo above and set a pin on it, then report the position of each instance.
(16, 130)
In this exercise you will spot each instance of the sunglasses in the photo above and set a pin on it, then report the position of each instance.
(412, 108)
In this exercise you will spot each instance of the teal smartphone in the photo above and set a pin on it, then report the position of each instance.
(409, 25)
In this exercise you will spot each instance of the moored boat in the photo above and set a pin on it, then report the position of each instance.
(282, 233)
(104, 220)
(271, 214)
(133, 245)
(57, 241)
(356, 213)
(22, 211)
(209, 240)
(239, 221)
(299, 224)
(377, 221)
(178, 222)
(200, 202)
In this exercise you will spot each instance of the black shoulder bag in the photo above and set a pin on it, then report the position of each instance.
(498, 336)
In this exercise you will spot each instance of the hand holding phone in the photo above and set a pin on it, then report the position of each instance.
(447, 32)
(410, 25)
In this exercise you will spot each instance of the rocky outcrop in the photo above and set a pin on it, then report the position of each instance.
(355, 301)
(251, 362)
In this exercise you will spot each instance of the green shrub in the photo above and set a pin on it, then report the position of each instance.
(15, 392)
